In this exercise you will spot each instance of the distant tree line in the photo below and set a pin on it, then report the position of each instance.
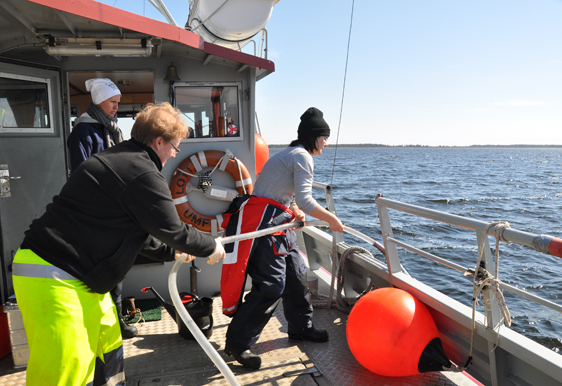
(426, 146)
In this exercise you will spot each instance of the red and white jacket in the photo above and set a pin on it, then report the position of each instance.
(246, 214)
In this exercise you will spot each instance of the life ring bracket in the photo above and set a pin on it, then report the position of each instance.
(192, 166)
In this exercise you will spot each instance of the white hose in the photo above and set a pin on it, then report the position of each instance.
(195, 331)
(201, 339)
(174, 293)
(267, 231)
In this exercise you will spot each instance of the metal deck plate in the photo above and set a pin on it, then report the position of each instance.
(159, 356)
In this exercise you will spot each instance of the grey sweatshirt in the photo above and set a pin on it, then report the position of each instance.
(287, 178)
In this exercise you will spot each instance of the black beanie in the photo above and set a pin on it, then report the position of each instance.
(313, 124)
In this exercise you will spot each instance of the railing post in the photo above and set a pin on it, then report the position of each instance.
(392, 258)
(336, 238)
(332, 208)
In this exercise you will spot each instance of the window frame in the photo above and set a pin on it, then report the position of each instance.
(241, 124)
(34, 130)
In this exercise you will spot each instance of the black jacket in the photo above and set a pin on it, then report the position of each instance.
(85, 139)
(115, 205)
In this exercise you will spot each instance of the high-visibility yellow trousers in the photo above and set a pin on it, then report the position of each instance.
(73, 333)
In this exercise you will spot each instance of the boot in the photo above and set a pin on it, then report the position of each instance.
(312, 335)
(127, 331)
(245, 358)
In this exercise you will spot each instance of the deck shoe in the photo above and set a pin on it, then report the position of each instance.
(127, 332)
(245, 358)
(312, 334)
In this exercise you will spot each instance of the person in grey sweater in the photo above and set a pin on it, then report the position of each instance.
(283, 192)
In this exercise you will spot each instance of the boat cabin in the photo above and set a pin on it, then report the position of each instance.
(49, 48)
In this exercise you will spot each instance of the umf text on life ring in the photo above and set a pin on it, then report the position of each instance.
(194, 164)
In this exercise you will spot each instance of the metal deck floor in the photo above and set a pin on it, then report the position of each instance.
(158, 356)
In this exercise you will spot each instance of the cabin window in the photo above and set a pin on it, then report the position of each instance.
(25, 104)
(210, 110)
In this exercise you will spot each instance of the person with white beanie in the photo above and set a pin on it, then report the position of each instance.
(96, 129)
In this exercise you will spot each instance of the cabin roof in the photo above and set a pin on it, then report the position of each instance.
(27, 23)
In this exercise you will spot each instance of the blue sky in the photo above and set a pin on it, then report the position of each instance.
(421, 72)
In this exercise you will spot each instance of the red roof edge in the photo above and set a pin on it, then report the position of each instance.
(93, 10)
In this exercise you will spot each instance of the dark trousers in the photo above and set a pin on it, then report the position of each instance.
(275, 277)
(116, 293)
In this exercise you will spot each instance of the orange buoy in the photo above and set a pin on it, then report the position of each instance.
(262, 153)
(391, 333)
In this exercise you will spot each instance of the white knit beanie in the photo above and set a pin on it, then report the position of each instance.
(101, 89)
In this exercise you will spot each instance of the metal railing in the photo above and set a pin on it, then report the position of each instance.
(541, 243)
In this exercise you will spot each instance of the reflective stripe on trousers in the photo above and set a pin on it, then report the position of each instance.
(68, 326)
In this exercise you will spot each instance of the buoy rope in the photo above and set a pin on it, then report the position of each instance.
(482, 279)
(343, 91)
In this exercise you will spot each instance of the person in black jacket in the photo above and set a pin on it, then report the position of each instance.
(114, 206)
(95, 131)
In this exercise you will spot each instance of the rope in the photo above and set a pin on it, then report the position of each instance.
(482, 279)
(186, 173)
(343, 91)
(212, 171)
(140, 322)
(240, 172)
(344, 304)
(133, 313)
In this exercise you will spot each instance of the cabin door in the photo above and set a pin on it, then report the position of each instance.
(32, 154)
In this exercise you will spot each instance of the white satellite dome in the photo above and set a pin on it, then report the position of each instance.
(229, 23)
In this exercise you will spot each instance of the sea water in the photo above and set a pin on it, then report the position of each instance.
(522, 186)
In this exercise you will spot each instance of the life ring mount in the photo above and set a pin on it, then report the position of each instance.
(193, 166)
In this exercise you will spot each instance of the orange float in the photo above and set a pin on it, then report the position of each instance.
(391, 333)
(261, 152)
(193, 164)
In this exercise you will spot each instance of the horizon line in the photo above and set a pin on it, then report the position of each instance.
(381, 145)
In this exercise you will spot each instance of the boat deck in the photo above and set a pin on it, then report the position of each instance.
(159, 356)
